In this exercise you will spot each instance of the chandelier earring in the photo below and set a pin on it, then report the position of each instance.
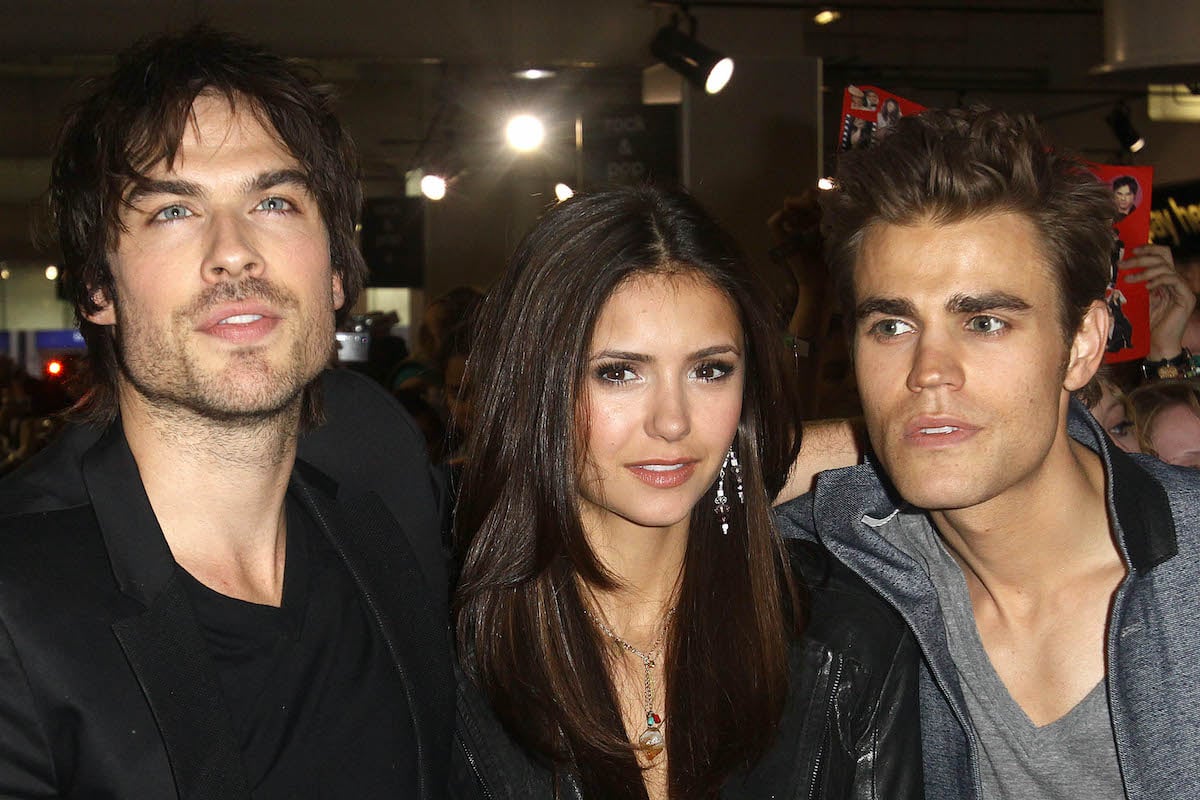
(721, 504)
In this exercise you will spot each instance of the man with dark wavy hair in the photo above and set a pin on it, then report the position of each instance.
(1049, 577)
(205, 590)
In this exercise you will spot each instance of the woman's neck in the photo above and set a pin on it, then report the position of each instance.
(647, 564)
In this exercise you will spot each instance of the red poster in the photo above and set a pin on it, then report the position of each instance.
(1128, 302)
(867, 111)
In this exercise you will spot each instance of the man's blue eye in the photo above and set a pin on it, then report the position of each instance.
(173, 213)
(890, 327)
(275, 204)
(986, 324)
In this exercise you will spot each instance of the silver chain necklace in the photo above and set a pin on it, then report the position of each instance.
(651, 740)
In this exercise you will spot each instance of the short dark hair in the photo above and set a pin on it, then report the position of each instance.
(1129, 182)
(947, 166)
(136, 117)
(519, 505)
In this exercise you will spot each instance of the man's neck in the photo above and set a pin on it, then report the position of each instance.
(1027, 542)
(1041, 568)
(217, 489)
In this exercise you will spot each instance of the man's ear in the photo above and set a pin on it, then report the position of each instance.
(106, 315)
(1088, 346)
(339, 295)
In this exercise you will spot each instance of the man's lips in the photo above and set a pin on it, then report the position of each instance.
(239, 322)
(662, 474)
(938, 431)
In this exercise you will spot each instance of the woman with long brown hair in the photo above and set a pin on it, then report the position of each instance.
(628, 618)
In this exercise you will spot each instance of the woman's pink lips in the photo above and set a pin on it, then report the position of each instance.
(677, 474)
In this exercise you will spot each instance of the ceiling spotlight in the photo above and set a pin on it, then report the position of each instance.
(51, 273)
(825, 184)
(563, 192)
(826, 15)
(525, 132)
(1122, 128)
(433, 187)
(683, 53)
(534, 74)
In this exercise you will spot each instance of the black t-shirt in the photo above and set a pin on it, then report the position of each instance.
(317, 705)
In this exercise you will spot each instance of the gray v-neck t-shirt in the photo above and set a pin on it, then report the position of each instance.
(1074, 756)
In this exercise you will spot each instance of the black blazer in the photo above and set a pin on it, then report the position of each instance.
(106, 688)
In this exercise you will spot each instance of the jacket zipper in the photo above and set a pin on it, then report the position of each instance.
(972, 745)
(487, 792)
(358, 580)
(833, 692)
(1114, 695)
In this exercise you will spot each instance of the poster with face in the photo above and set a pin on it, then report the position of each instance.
(1128, 302)
(868, 111)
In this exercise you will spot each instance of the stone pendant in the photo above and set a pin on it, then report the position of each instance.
(651, 741)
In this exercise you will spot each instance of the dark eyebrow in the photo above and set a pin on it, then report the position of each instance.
(716, 350)
(152, 186)
(958, 304)
(278, 177)
(992, 301)
(887, 306)
(642, 358)
(258, 183)
(622, 355)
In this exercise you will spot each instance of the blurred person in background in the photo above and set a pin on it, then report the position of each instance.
(423, 371)
(1167, 418)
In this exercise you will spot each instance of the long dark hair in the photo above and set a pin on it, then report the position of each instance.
(522, 631)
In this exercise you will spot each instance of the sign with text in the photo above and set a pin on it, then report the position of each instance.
(393, 241)
(1175, 218)
(631, 144)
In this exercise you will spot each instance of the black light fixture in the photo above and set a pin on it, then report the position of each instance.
(683, 53)
(1122, 128)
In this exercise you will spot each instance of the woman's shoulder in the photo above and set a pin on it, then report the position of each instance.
(843, 612)
(486, 762)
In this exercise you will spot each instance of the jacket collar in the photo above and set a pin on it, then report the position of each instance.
(141, 560)
(400, 602)
(1138, 504)
(163, 644)
(167, 652)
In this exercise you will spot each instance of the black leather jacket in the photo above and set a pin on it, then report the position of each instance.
(850, 728)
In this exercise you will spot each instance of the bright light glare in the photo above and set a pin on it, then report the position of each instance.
(525, 133)
(563, 192)
(826, 16)
(1138, 145)
(54, 367)
(719, 76)
(5, 274)
(533, 74)
(51, 273)
(825, 184)
(433, 187)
